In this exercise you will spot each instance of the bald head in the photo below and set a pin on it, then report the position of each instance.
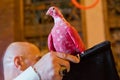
(20, 49)
(18, 56)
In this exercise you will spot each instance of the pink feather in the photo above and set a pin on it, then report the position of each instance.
(63, 36)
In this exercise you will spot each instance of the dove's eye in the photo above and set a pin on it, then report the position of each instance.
(53, 8)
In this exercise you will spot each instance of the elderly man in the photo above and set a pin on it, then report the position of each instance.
(22, 62)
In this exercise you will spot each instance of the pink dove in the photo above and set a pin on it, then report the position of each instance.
(63, 37)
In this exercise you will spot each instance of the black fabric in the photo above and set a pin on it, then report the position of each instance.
(97, 63)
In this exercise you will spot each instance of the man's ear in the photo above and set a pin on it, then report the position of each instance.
(18, 62)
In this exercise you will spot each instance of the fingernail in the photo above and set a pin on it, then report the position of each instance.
(77, 60)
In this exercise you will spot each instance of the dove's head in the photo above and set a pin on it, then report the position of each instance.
(54, 12)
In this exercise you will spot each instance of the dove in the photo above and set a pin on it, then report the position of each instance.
(63, 37)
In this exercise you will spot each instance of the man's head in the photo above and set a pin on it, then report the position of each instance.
(18, 57)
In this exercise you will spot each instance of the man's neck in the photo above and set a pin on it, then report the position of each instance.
(11, 74)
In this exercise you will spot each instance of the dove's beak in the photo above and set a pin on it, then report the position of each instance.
(47, 13)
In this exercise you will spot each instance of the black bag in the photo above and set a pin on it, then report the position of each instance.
(97, 63)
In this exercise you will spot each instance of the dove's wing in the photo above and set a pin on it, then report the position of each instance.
(76, 39)
(50, 43)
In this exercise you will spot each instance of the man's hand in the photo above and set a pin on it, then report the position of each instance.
(49, 65)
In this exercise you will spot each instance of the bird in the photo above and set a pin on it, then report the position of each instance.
(63, 37)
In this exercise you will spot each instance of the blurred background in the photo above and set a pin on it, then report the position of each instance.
(25, 20)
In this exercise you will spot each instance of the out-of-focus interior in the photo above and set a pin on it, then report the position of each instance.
(25, 20)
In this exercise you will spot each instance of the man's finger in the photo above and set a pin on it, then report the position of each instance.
(68, 57)
(64, 63)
